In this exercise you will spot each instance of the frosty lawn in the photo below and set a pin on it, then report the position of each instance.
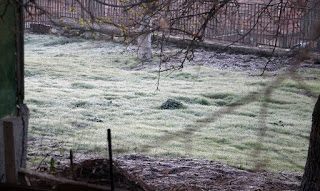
(77, 89)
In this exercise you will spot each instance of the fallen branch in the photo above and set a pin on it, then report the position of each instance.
(97, 27)
(64, 181)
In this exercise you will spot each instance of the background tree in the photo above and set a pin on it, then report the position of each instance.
(311, 176)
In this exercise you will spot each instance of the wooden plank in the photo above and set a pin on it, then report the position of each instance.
(9, 153)
(20, 51)
(64, 181)
(14, 187)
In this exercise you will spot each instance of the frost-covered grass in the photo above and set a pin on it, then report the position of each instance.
(77, 89)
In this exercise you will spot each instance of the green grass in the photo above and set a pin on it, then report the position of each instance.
(77, 90)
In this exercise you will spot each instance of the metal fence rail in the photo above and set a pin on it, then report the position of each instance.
(252, 24)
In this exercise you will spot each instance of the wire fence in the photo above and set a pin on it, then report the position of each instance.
(251, 24)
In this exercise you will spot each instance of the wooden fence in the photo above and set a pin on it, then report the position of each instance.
(253, 24)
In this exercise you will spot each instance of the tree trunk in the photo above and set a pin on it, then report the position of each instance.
(311, 176)
(144, 40)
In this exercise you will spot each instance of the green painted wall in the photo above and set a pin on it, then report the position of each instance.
(8, 82)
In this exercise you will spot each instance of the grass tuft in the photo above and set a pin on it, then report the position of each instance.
(189, 100)
(82, 104)
(82, 85)
(229, 96)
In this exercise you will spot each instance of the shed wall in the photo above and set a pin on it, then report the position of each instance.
(8, 51)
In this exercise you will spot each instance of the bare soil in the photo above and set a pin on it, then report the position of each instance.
(137, 172)
(193, 174)
(253, 64)
(250, 62)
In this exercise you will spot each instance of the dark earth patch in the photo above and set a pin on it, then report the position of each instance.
(137, 172)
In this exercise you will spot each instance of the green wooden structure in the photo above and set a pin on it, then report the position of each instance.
(11, 58)
(14, 115)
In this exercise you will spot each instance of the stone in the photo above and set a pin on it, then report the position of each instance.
(40, 28)
(87, 35)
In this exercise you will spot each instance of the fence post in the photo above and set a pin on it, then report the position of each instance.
(284, 41)
(9, 153)
(81, 7)
(110, 160)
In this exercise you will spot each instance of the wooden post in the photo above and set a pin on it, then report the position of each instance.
(71, 165)
(9, 153)
(110, 160)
